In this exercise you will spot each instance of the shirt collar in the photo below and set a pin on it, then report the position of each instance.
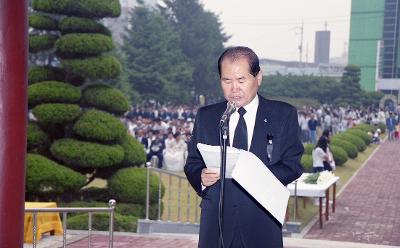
(252, 106)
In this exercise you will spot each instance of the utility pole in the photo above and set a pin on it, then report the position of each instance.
(301, 43)
(307, 52)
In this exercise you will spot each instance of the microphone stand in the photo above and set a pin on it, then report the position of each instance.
(223, 143)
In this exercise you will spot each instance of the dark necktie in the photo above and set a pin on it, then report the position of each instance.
(240, 138)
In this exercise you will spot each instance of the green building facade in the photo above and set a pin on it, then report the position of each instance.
(366, 32)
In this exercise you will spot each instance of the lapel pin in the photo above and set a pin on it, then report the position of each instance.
(265, 120)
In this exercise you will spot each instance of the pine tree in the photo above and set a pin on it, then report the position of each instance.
(201, 41)
(156, 67)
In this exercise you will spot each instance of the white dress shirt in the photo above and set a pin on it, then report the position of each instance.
(250, 119)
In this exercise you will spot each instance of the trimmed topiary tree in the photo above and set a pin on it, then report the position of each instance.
(105, 97)
(99, 126)
(349, 148)
(52, 92)
(308, 148)
(129, 185)
(307, 162)
(362, 134)
(44, 175)
(339, 155)
(78, 127)
(355, 140)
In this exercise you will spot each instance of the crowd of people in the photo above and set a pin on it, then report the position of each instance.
(164, 131)
(328, 121)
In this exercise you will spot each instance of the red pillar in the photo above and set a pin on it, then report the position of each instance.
(13, 119)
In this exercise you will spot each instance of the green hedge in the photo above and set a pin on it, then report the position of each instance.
(36, 136)
(81, 25)
(86, 154)
(339, 155)
(307, 162)
(52, 91)
(80, 45)
(55, 113)
(355, 140)
(362, 134)
(41, 42)
(308, 148)
(365, 127)
(45, 73)
(42, 22)
(44, 175)
(106, 98)
(349, 148)
(85, 8)
(101, 67)
(129, 185)
(133, 150)
(101, 221)
(100, 126)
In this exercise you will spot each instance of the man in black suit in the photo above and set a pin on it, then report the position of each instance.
(256, 122)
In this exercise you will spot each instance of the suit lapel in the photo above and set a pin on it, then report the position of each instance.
(262, 128)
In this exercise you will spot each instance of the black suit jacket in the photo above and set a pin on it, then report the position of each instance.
(242, 214)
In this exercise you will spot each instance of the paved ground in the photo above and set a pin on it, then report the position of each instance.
(368, 210)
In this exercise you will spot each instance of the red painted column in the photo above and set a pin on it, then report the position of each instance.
(13, 120)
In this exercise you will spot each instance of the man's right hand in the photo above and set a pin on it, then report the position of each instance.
(209, 177)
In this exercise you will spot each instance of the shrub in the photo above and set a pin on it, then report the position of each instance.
(129, 185)
(85, 8)
(307, 162)
(308, 148)
(72, 45)
(43, 22)
(45, 73)
(86, 154)
(36, 136)
(339, 155)
(55, 113)
(82, 25)
(362, 134)
(99, 125)
(41, 42)
(101, 221)
(101, 67)
(355, 140)
(44, 175)
(133, 150)
(52, 91)
(349, 148)
(106, 98)
(365, 127)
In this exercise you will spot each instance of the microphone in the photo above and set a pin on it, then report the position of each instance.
(230, 109)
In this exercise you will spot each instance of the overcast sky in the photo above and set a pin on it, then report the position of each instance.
(272, 27)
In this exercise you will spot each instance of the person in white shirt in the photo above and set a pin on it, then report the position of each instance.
(319, 154)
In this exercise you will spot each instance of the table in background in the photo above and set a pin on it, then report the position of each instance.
(316, 190)
(45, 222)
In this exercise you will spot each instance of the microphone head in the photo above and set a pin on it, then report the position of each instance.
(231, 108)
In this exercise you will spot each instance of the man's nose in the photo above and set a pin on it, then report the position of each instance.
(235, 86)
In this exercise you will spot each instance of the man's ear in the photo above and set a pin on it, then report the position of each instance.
(259, 77)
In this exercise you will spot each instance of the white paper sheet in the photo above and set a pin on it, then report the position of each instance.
(212, 157)
(251, 173)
